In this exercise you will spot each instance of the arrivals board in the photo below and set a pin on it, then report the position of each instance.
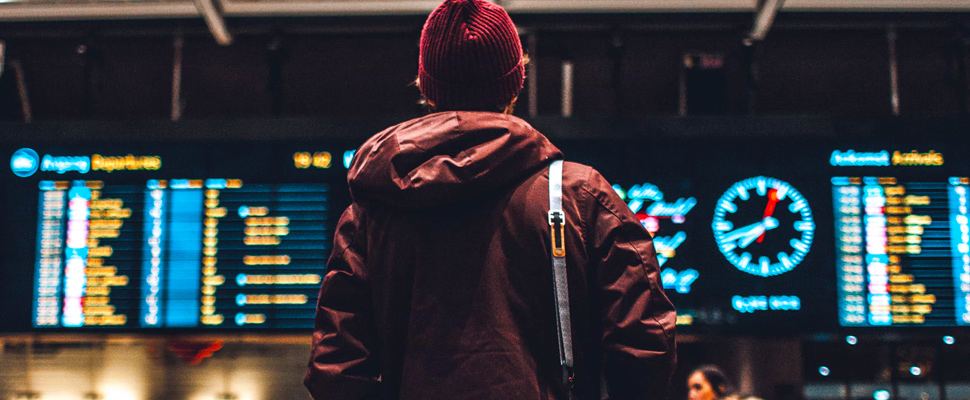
(763, 236)
(901, 251)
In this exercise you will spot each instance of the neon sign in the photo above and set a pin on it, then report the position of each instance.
(677, 209)
(348, 158)
(851, 158)
(679, 281)
(645, 191)
(25, 162)
(750, 304)
(62, 165)
(320, 159)
(637, 197)
(650, 197)
(129, 162)
(932, 158)
(666, 246)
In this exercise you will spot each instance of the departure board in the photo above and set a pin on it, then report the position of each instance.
(902, 251)
(167, 238)
(181, 253)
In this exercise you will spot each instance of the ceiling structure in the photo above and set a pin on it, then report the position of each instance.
(23, 10)
(214, 12)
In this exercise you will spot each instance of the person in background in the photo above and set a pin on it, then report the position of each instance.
(440, 283)
(708, 382)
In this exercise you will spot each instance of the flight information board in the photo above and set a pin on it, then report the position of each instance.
(769, 238)
(752, 235)
(181, 253)
(901, 251)
(122, 244)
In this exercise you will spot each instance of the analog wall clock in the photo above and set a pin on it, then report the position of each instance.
(763, 226)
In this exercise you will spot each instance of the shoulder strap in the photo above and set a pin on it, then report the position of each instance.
(557, 224)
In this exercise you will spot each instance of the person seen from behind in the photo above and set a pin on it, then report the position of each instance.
(440, 283)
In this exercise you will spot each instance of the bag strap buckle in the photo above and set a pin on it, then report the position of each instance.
(568, 377)
(557, 221)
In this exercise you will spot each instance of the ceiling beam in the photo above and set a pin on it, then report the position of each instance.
(331, 7)
(107, 10)
(612, 6)
(764, 17)
(213, 19)
(215, 10)
(879, 6)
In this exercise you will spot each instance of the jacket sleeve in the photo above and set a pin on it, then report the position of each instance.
(343, 363)
(638, 320)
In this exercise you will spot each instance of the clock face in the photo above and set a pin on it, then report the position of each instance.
(763, 226)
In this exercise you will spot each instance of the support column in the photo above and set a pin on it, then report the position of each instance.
(893, 70)
(18, 71)
(177, 78)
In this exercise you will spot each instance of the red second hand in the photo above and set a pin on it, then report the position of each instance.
(769, 209)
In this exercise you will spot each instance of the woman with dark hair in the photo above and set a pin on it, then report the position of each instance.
(708, 382)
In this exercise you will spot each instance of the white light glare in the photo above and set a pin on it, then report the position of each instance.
(823, 370)
(916, 371)
(949, 340)
(880, 395)
(851, 340)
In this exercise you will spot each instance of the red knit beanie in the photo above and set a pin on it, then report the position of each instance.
(471, 57)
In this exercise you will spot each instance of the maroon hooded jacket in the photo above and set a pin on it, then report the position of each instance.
(440, 283)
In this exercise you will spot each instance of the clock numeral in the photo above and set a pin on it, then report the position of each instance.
(804, 226)
(723, 226)
(765, 264)
(799, 245)
(727, 247)
(729, 206)
(762, 187)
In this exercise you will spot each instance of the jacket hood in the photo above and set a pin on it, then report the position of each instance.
(446, 157)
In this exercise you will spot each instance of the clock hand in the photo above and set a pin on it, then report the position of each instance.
(770, 208)
(765, 225)
(748, 239)
(741, 232)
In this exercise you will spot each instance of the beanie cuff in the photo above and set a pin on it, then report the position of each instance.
(484, 95)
